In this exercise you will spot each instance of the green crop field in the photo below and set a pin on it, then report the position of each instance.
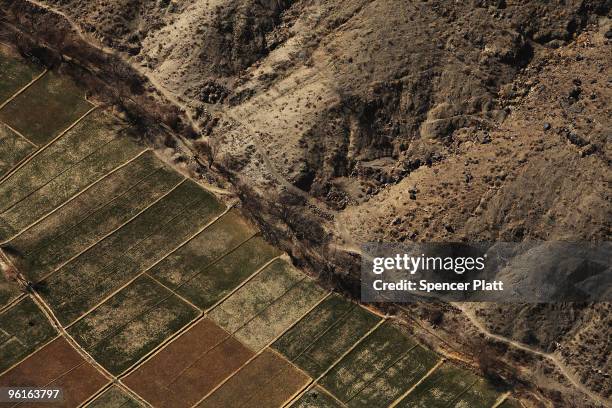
(13, 149)
(22, 329)
(78, 145)
(325, 334)
(379, 369)
(14, 74)
(54, 100)
(480, 394)
(267, 305)
(8, 291)
(441, 389)
(132, 249)
(204, 272)
(114, 397)
(155, 279)
(218, 279)
(57, 191)
(149, 314)
(316, 398)
(96, 212)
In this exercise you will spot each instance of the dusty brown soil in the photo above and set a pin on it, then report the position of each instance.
(267, 381)
(189, 367)
(56, 365)
(346, 121)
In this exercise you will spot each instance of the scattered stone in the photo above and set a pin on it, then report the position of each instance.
(547, 126)
(576, 140)
(588, 150)
(575, 93)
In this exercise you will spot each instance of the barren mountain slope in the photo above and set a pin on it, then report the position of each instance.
(339, 87)
(430, 120)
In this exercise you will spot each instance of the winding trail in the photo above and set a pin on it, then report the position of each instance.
(567, 373)
(175, 100)
(56, 324)
(172, 97)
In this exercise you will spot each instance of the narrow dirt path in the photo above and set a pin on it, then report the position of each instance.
(56, 324)
(174, 99)
(567, 373)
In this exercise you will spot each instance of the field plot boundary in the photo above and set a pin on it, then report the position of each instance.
(382, 371)
(141, 273)
(501, 399)
(111, 232)
(315, 381)
(211, 263)
(195, 321)
(39, 347)
(83, 191)
(48, 312)
(469, 387)
(421, 380)
(273, 301)
(27, 159)
(46, 309)
(332, 396)
(172, 291)
(21, 135)
(339, 321)
(12, 302)
(23, 89)
(108, 386)
(272, 379)
(202, 315)
(266, 347)
(93, 210)
(65, 170)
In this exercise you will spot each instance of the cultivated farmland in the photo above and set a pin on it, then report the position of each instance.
(192, 365)
(54, 100)
(379, 369)
(13, 149)
(57, 365)
(23, 328)
(114, 397)
(14, 73)
(139, 287)
(317, 398)
(325, 334)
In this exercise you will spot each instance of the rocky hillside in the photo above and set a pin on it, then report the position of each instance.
(362, 120)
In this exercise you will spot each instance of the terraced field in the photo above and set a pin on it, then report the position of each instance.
(148, 291)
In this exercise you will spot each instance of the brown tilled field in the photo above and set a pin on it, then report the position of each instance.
(57, 364)
(190, 367)
(266, 381)
(129, 283)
